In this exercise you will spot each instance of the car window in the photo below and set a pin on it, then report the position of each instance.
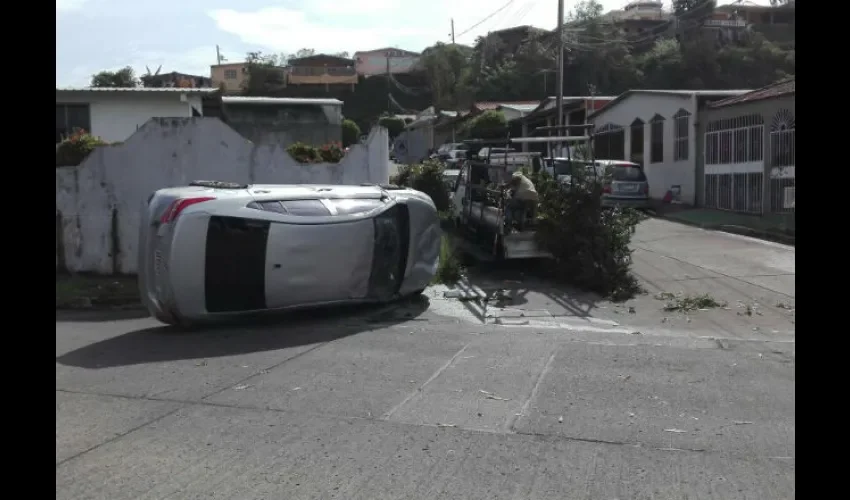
(626, 173)
(355, 206)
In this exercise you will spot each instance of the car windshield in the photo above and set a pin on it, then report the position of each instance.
(627, 173)
(565, 167)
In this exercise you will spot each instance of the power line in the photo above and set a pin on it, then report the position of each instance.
(479, 23)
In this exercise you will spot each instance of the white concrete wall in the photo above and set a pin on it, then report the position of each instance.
(172, 152)
(115, 116)
(662, 176)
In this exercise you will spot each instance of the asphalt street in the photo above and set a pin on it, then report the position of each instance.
(423, 400)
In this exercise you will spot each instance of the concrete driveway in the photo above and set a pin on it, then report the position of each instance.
(408, 402)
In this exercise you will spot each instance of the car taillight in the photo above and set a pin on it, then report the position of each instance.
(645, 189)
(178, 206)
(606, 189)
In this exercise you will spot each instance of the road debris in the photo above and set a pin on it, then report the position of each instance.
(446, 425)
(741, 422)
(241, 387)
(676, 431)
(201, 363)
(686, 303)
(560, 420)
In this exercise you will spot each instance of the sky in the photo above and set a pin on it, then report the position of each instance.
(181, 35)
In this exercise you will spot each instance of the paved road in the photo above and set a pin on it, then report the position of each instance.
(410, 402)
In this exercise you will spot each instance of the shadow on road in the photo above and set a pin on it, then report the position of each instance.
(268, 333)
(524, 284)
(101, 315)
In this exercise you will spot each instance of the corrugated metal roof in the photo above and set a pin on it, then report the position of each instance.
(522, 108)
(778, 89)
(487, 105)
(280, 100)
(139, 89)
(699, 93)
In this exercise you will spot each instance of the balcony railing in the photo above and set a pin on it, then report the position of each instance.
(726, 23)
(321, 71)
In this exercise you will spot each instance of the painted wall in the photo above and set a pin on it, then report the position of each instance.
(115, 116)
(219, 75)
(108, 189)
(662, 176)
(375, 63)
(286, 123)
(767, 109)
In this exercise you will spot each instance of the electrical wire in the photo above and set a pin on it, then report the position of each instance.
(479, 23)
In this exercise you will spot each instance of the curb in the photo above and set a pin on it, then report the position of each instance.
(728, 228)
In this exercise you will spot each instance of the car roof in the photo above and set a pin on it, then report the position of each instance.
(283, 191)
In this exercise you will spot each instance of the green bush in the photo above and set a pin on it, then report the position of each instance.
(490, 124)
(305, 153)
(426, 177)
(350, 133)
(394, 125)
(449, 268)
(76, 148)
(590, 244)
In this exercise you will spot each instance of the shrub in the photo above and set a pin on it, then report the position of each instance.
(393, 125)
(350, 133)
(331, 152)
(428, 178)
(490, 124)
(305, 153)
(76, 148)
(590, 244)
(449, 268)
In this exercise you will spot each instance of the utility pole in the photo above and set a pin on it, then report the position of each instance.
(217, 55)
(453, 31)
(389, 87)
(559, 101)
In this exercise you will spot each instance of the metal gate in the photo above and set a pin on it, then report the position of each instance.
(782, 172)
(734, 164)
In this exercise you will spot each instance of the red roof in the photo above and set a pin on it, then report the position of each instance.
(778, 89)
(483, 106)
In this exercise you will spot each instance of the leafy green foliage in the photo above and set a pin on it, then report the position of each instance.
(124, 77)
(428, 178)
(350, 133)
(490, 124)
(305, 153)
(590, 244)
(393, 124)
(76, 148)
(449, 268)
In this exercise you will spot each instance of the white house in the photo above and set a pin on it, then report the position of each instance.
(114, 114)
(656, 128)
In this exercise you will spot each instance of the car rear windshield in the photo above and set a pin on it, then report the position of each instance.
(627, 173)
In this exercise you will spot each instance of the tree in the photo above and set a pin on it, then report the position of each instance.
(490, 124)
(350, 133)
(393, 124)
(124, 77)
(264, 73)
(447, 68)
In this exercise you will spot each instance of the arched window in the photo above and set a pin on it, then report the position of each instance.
(656, 139)
(681, 134)
(636, 129)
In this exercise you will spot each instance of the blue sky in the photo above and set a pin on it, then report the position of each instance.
(181, 35)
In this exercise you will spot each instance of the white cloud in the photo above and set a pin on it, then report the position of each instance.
(66, 5)
(336, 25)
(195, 61)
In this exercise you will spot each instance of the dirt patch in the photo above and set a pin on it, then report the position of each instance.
(79, 291)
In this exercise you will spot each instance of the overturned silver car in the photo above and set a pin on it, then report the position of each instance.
(212, 250)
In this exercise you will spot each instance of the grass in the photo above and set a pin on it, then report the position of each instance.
(87, 291)
(687, 303)
(449, 269)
